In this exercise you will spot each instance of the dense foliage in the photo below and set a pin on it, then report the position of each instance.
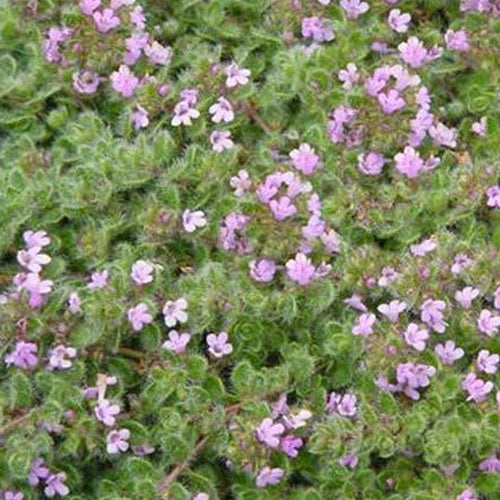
(250, 249)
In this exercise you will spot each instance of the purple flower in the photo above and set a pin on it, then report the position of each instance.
(300, 269)
(236, 75)
(124, 81)
(431, 314)
(354, 8)
(345, 405)
(139, 316)
(38, 471)
(350, 461)
(193, 220)
(443, 136)
(298, 420)
(240, 183)
(392, 310)
(36, 239)
(106, 20)
(423, 248)
(290, 445)
(142, 272)
(349, 76)
(480, 128)
(32, 259)
(488, 323)
(490, 464)
(54, 485)
(457, 40)
(317, 28)
(158, 54)
(416, 337)
(388, 276)
(268, 476)
(105, 412)
(88, 6)
(59, 357)
(36, 288)
(137, 18)
(221, 141)
(117, 441)
(363, 325)
(74, 303)
(305, 159)
(413, 52)
(356, 302)
(391, 101)
(487, 362)
(465, 296)
(448, 352)
(221, 110)
(135, 44)
(183, 113)
(175, 311)
(476, 388)
(282, 208)
(493, 194)
(218, 345)
(331, 241)
(371, 163)
(85, 82)
(262, 270)
(461, 262)
(177, 342)
(399, 22)
(411, 376)
(409, 163)
(140, 118)
(23, 356)
(467, 494)
(98, 279)
(269, 433)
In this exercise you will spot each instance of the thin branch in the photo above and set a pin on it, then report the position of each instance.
(14, 423)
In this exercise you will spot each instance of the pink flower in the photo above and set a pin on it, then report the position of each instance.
(183, 114)
(54, 485)
(392, 310)
(140, 118)
(349, 460)
(137, 18)
(432, 315)
(98, 279)
(345, 405)
(221, 110)
(240, 183)
(356, 302)
(269, 433)
(317, 28)
(236, 75)
(477, 389)
(282, 208)
(177, 342)
(331, 241)
(363, 325)
(461, 262)
(268, 476)
(457, 40)
(399, 22)
(480, 128)
(60, 357)
(262, 270)
(117, 441)
(487, 362)
(388, 276)
(493, 194)
(349, 76)
(88, 6)
(158, 54)
(124, 81)
(416, 337)
(465, 296)
(36, 239)
(423, 248)
(218, 345)
(354, 8)
(300, 269)
(106, 20)
(443, 136)
(85, 82)
(409, 162)
(33, 260)
(411, 376)
(371, 163)
(305, 159)
(36, 288)
(391, 101)
(448, 352)
(23, 356)
(488, 323)
(142, 272)
(139, 316)
(221, 140)
(175, 311)
(105, 412)
(193, 220)
(413, 52)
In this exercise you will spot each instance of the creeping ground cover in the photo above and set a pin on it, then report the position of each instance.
(250, 249)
